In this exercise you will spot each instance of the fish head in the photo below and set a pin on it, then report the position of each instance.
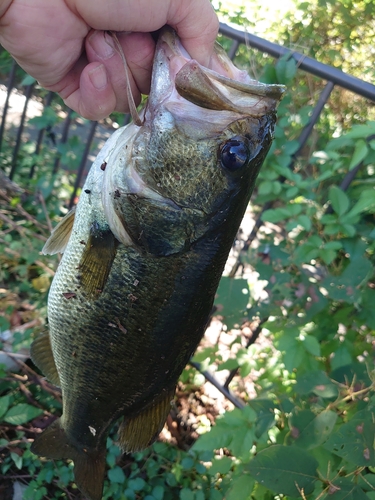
(193, 163)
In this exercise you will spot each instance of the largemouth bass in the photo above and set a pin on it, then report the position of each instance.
(143, 254)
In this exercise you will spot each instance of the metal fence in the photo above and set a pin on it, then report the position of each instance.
(332, 76)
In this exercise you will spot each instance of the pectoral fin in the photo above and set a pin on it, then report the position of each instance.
(141, 431)
(97, 259)
(41, 354)
(60, 235)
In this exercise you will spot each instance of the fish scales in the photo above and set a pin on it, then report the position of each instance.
(143, 254)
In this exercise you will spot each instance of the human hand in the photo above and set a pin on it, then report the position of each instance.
(62, 43)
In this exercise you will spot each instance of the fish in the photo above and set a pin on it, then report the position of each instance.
(143, 253)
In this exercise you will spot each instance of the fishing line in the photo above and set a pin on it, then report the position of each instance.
(132, 107)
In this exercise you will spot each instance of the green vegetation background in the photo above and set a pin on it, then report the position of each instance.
(310, 431)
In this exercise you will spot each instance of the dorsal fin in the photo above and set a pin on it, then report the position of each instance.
(97, 259)
(60, 234)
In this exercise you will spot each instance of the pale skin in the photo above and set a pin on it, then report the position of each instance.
(63, 44)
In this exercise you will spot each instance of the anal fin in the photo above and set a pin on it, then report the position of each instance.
(60, 235)
(97, 259)
(141, 431)
(42, 356)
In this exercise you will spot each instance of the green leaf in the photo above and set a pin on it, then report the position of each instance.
(292, 349)
(229, 364)
(186, 494)
(361, 131)
(341, 357)
(220, 465)
(367, 482)
(265, 412)
(316, 382)
(158, 492)
(4, 405)
(265, 187)
(232, 299)
(360, 152)
(339, 200)
(17, 459)
(309, 430)
(354, 441)
(285, 469)
(116, 475)
(213, 440)
(136, 484)
(344, 489)
(311, 344)
(202, 355)
(365, 203)
(241, 488)
(282, 213)
(22, 413)
(304, 221)
(327, 255)
(28, 80)
(286, 68)
(347, 286)
(187, 463)
(290, 147)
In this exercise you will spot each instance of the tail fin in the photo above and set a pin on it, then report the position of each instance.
(89, 465)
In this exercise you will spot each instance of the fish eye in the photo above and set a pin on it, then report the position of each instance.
(234, 154)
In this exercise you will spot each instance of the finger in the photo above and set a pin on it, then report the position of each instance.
(138, 50)
(87, 90)
(194, 20)
(95, 97)
(197, 26)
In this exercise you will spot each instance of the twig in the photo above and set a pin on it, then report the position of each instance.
(251, 341)
(42, 201)
(15, 355)
(37, 262)
(23, 212)
(37, 379)
(21, 230)
(21, 476)
(350, 397)
(15, 442)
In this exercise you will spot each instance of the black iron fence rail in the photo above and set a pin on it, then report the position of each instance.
(305, 63)
(332, 75)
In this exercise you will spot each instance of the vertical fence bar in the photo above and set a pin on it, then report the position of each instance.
(233, 49)
(40, 135)
(28, 92)
(83, 162)
(10, 85)
(305, 134)
(64, 138)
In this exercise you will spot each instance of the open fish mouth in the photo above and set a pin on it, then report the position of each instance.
(221, 87)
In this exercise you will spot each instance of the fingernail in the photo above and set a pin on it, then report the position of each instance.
(101, 45)
(98, 77)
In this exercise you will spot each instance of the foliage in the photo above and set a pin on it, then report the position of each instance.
(309, 431)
